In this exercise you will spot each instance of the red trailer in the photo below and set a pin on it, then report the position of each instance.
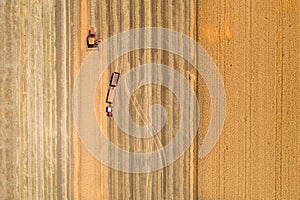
(110, 95)
(114, 79)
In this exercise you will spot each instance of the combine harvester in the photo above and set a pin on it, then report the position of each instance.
(92, 39)
(112, 92)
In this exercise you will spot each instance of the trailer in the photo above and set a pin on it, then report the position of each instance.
(110, 95)
(114, 79)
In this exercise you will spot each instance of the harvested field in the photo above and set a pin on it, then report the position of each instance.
(248, 42)
(256, 47)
